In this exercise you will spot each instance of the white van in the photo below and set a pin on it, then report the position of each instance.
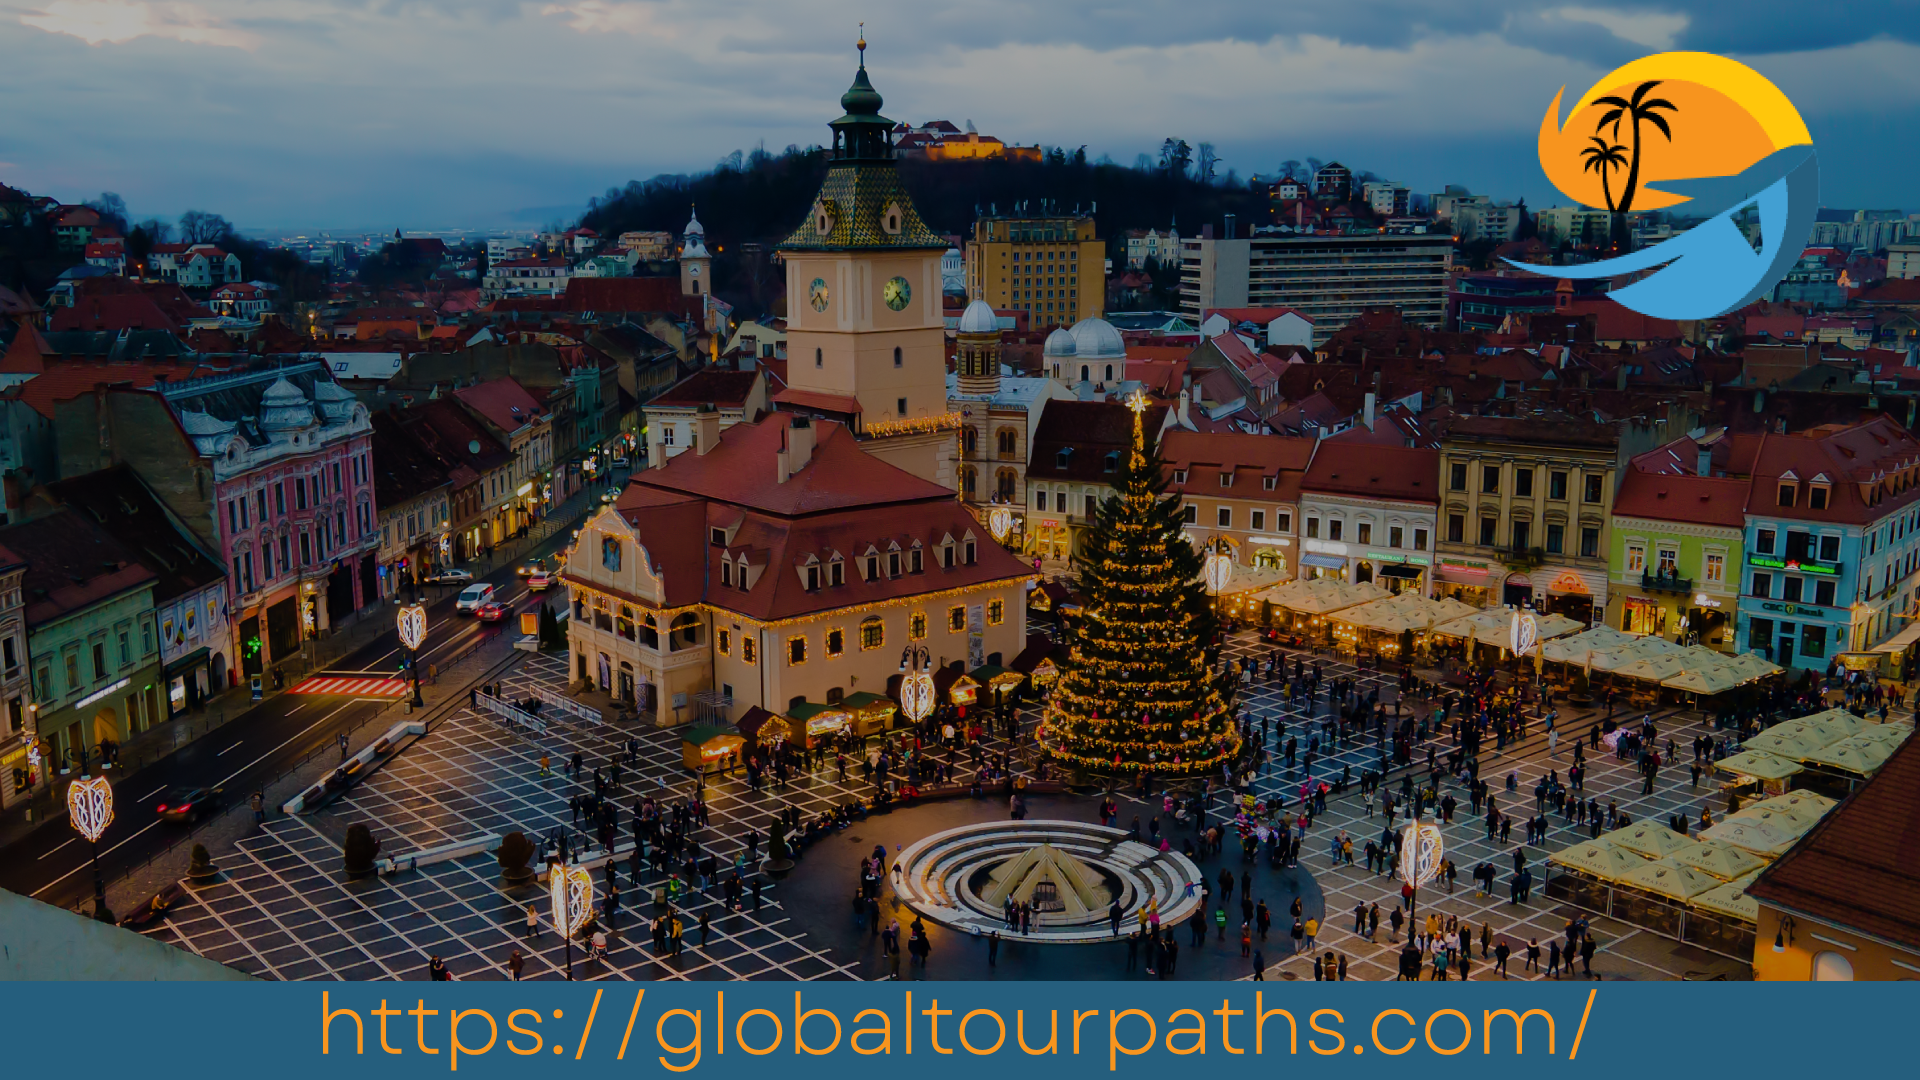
(472, 597)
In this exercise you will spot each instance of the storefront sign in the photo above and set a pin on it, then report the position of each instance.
(1795, 609)
(100, 693)
(525, 488)
(1394, 556)
(1795, 565)
(1568, 582)
(1703, 600)
(1324, 547)
(1270, 541)
(1457, 566)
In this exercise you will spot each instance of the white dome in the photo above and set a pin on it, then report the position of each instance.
(284, 408)
(1096, 339)
(1059, 343)
(979, 319)
(694, 228)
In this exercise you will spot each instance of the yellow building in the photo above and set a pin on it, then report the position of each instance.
(866, 326)
(780, 565)
(1053, 268)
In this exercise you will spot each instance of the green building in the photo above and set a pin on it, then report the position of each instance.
(1677, 552)
(91, 638)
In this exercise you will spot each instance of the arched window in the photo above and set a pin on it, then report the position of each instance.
(967, 482)
(898, 360)
(969, 439)
(1009, 441)
(1832, 967)
(1109, 372)
(1003, 485)
(819, 358)
(1083, 373)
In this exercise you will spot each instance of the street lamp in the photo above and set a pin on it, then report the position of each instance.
(90, 810)
(916, 684)
(412, 622)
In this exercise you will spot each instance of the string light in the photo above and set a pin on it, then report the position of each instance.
(912, 425)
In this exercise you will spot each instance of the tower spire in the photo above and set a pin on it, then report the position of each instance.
(862, 45)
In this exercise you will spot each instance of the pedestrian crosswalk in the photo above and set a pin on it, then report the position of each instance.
(357, 687)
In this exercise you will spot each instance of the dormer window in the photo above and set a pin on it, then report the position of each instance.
(1817, 497)
(913, 561)
(969, 551)
(1062, 457)
(1112, 461)
(893, 564)
(837, 572)
(1226, 479)
(717, 537)
(1787, 492)
(1180, 476)
(1269, 483)
(873, 567)
(726, 572)
(891, 218)
(813, 579)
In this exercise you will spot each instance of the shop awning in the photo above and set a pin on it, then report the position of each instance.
(1324, 562)
(1400, 570)
(1899, 641)
(186, 663)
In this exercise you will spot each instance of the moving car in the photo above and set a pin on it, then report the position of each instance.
(491, 611)
(527, 568)
(621, 462)
(182, 803)
(539, 581)
(449, 577)
(472, 597)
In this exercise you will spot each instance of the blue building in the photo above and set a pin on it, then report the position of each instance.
(1832, 539)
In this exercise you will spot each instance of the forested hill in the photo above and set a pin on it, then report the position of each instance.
(766, 196)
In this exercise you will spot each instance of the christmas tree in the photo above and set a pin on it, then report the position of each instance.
(1136, 692)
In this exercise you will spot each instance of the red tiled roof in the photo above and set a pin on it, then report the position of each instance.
(27, 353)
(71, 564)
(1379, 472)
(722, 388)
(1850, 457)
(813, 399)
(632, 294)
(68, 380)
(1860, 867)
(1205, 456)
(1089, 429)
(1896, 291)
(116, 312)
(1664, 484)
(503, 403)
(740, 470)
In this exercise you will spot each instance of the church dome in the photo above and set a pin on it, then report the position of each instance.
(335, 401)
(861, 99)
(284, 408)
(1096, 339)
(694, 228)
(1059, 343)
(979, 319)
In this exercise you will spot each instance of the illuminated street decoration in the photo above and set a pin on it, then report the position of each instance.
(1421, 853)
(1219, 572)
(999, 523)
(90, 806)
(916, 696)
(1526, 633)
(571, 891)
(412, 622)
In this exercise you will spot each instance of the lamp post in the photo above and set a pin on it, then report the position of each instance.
(90, 811)
(412, 624)
(916, 685)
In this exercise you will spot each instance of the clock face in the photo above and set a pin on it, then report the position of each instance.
(896, 293)
(817, 294)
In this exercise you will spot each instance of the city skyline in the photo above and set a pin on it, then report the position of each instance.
(329, 116)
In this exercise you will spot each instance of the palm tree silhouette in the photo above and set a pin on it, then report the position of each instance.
(1603, 157)
(1638, 109)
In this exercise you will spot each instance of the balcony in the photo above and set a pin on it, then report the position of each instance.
(1661, 581)
(1522, 557)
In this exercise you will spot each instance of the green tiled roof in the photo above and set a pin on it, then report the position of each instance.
(858, 193)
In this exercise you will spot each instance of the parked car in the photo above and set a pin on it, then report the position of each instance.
(450, 577)
(621, 462)
(189, 804)
(539, 581)
(491, 611)
(472, 597)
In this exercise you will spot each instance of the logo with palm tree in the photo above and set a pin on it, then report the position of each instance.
(1635, 111)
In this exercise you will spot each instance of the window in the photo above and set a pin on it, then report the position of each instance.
(1365, 532)
(1040, 499)
(1592, 492)
(796, 650)
(1335, 527)
(1488, 527)
(813, 579)
(1715, 569)
(819, 358)
(1785, 495)
(280, 498)
(1523, 483)
(725, 642)
(299, 494)
(1259, 522)
(99, 660)
(893, 564)
(1522, 535)
(1191, 514)
(1790, 588)
(306, 549)
(73, 670)
(726, 572)
(1419, 539)
(1269, 483)
(1179, 476)
(1589, 543)
(666, 434)
(1112, 461)
(916, 626)
(898, 360)
(747, 648)
(336, 480)
(1456, 528)
(836, 573)
(956, 619)
(1762, 584)
(1823, 593)
(610, 553)
(1636, 558)
(1283, 521)
(1669, 561)
(1829, 549)
(1557, 486)
(996, 612)
(1490, 479)
(1226, 479)
(1091, 504)
(1813, 639)
(1224, 516)
(126, 649)
(1763, 541)
(968, 552)
(900, 407)
(873, 567)
(1062, 456)
(1817, 498)
(836, 642)
(1457, 481)
(1760, 635)
(873, 632)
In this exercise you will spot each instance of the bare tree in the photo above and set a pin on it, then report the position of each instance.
(200, 227)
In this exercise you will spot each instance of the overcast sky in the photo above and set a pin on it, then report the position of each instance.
(426, 114)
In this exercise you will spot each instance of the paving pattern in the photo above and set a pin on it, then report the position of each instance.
(283, 909)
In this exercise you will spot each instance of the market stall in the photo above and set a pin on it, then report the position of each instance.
(1393, 626)
(1654, 896)
(705, 748)
(1306, 604)
(1764, 840)
(872, 713)
(996, 682)
(1589, 871)
(763, 728)
(1724, 918)
(1651, 841)
(1757, 767)
(816, 723)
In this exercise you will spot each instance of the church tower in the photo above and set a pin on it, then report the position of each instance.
(977, 350)
(866, 334)
(696, 266)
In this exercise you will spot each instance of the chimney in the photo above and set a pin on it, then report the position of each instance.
(1228, 224)
(1372, 401)
(798, 449)
(1706, 461)
(706, 428)
(1186, 418)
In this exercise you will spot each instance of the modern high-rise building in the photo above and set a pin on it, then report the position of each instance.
(1052, 268)
(1329, 279)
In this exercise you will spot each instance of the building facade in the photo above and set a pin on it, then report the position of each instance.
(1052, 268)
(998, 417)
(1329, 279)
(1368, 514)
(1078, 450)
(782, 565)
(1241, 493)
(22, 767)
(1675, 546)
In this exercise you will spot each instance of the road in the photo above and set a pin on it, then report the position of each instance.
(52, 862)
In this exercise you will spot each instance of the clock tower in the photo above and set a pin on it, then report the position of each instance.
(696, 266)
(866, 334)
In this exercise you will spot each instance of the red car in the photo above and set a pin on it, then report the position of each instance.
(491, 612)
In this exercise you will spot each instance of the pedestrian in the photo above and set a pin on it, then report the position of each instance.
(706, 926)
(1313, 932)
(1553, 958)
(514, 964)
(993, 948)
(258, 802)
(1500, 954)
(437, 970)
(1259, 966)
(533, 923)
